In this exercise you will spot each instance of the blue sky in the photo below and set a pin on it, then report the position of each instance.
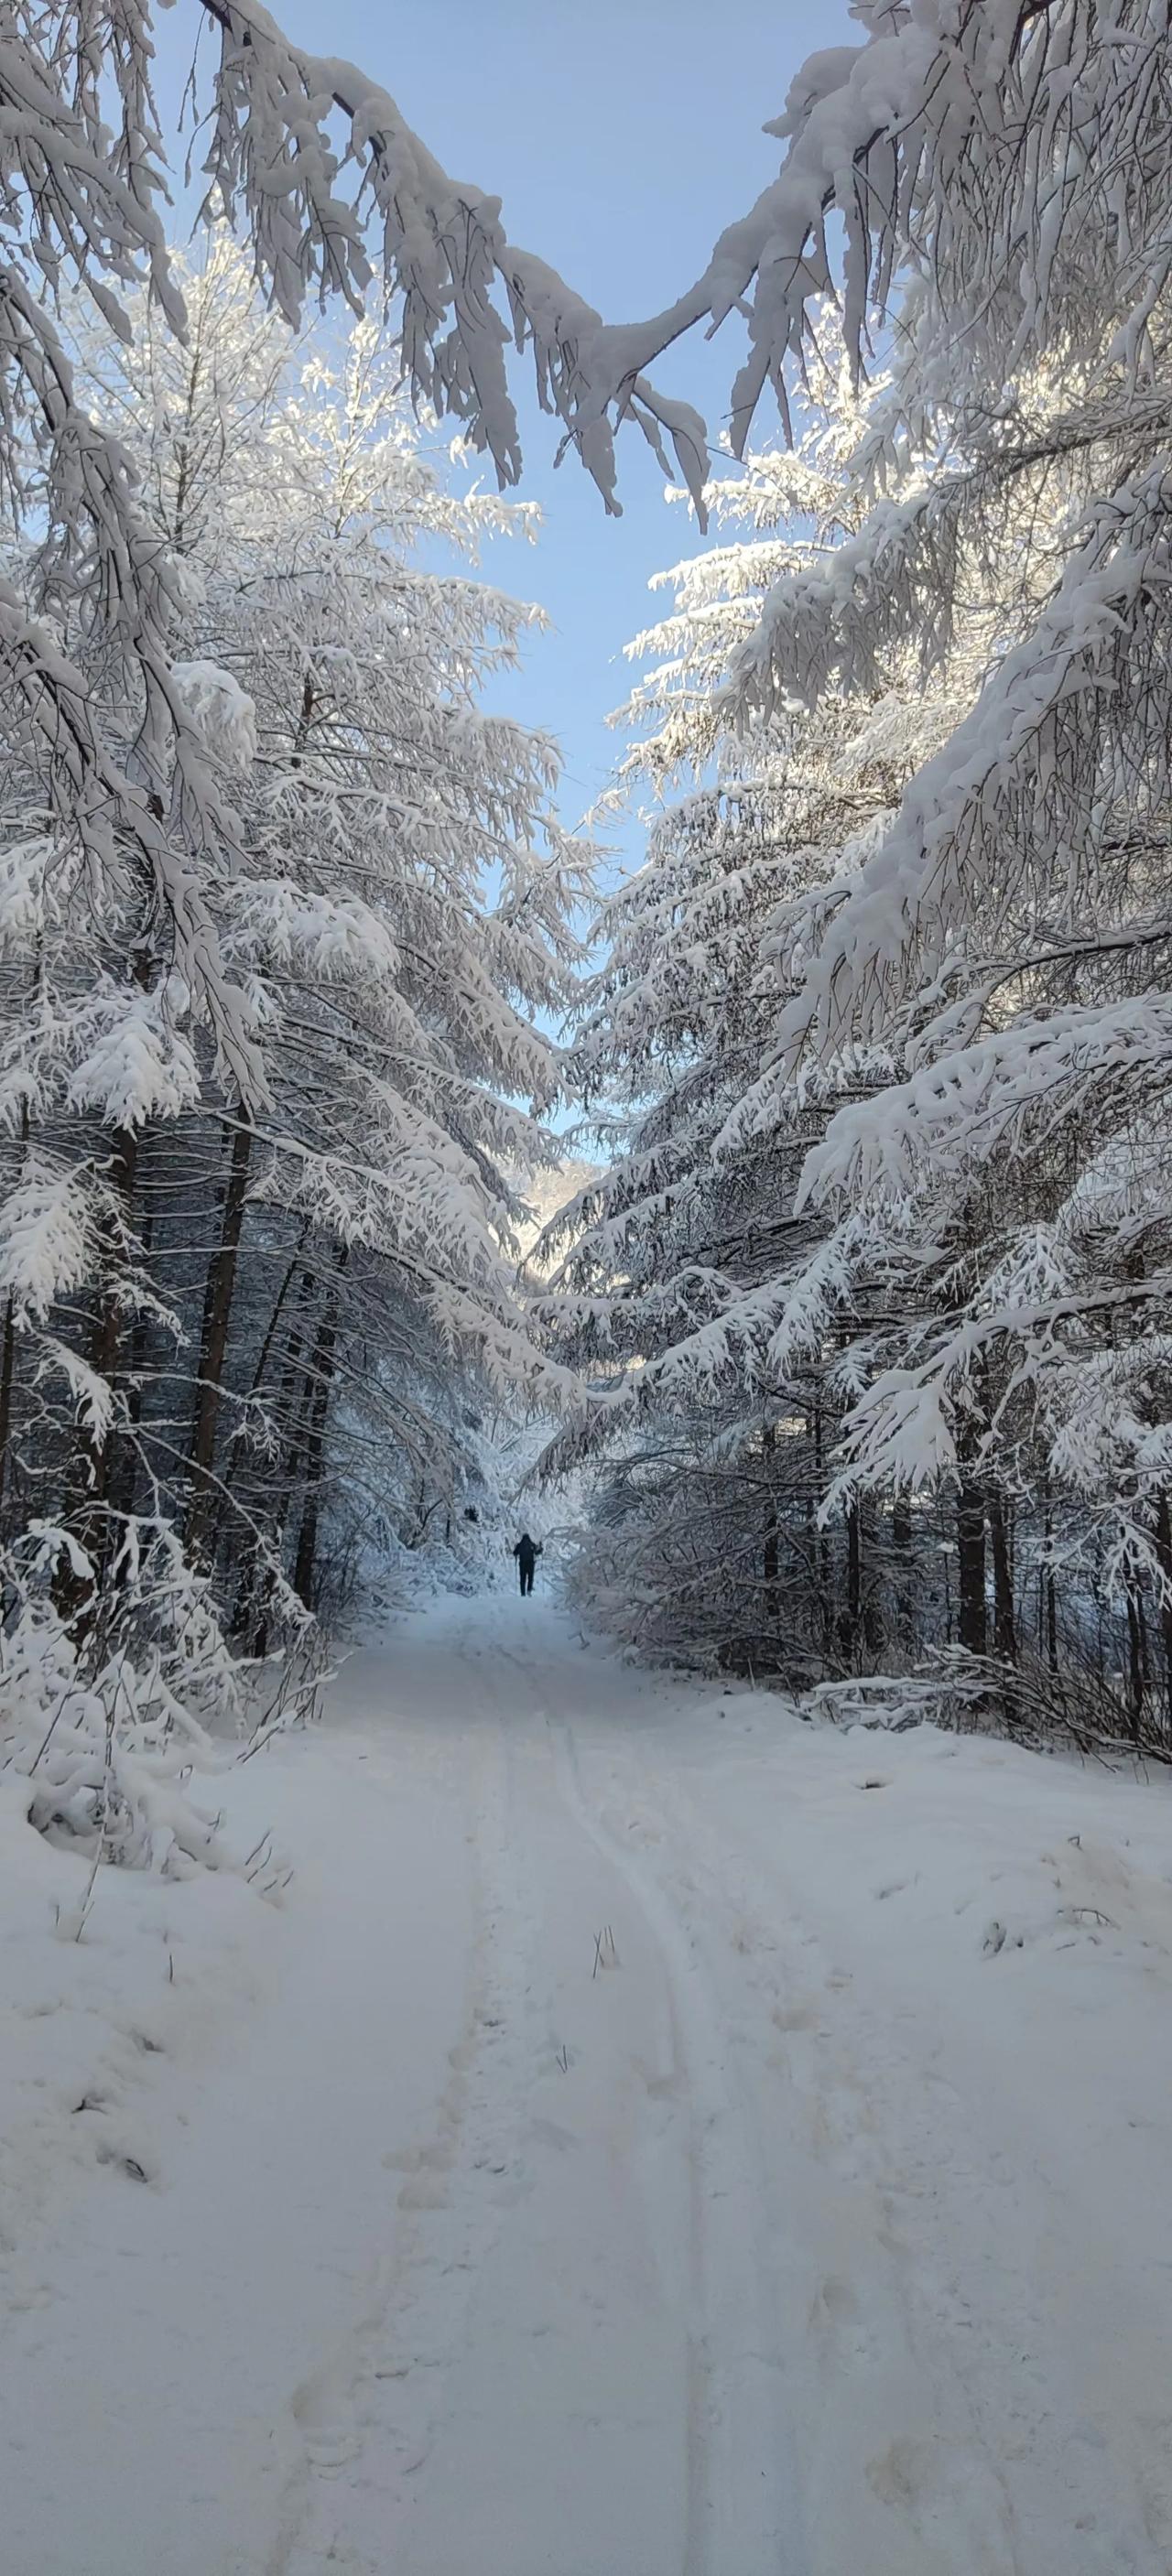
(622, 135)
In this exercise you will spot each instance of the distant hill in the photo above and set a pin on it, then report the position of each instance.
(546, 1192)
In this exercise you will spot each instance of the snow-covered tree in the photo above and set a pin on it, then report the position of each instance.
(1009, 930)
(852, 1295)
(273, 1310)
(718, 1394)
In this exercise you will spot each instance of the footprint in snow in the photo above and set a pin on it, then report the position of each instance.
(129, 2165)
(550, 2133)
(321, 2414)
(424, 2190)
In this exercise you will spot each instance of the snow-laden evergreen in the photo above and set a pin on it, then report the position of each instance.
(872, 1299)
(242, 1326)
(715, 1316)
(898, 1113)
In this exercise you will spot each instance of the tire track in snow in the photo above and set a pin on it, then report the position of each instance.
(743, 2503)
(381, 2393)
(389, 2472)
(946, 2459)
(384, 2429)
(563, 2430)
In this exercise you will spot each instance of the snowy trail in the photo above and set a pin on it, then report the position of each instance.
(593, 2388)
(630, 2152)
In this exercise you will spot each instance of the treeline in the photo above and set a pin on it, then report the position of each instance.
(874, 1302)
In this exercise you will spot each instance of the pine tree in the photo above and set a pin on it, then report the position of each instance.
(266, 1302)
(723, 1324)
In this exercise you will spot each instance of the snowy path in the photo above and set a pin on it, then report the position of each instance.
(820, 2227)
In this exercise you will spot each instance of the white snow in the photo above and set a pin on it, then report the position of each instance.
(654, 2137)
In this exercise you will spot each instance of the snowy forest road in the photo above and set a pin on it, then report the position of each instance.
(575, 2365)
(635, 2149)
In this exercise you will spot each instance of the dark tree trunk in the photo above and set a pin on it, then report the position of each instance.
(771, 1560)
(8, 1359)
(1100, 1643)
(313, 1453)
(213, 1340)
(7, 1378)
(854, 1575)
(872, 1606)
(1004, 1622)
(901, 1546)
(972, 1616)
(261, 1370)
(106, 1340)
(825, 1603)
(1048, 1597)
(1136, 1657)
(1164, 1555)
(256, 1592)
(124, 1463)
(86, 1509)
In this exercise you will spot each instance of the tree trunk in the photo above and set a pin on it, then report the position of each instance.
(1004, 1623)
(1164, 1555)
(256, 1590)
(8, 1360)
(86, 1512)
(89, 1515)
(7, 1376)
(1048, 1598)
(901, 1545)
(854, 1575)
(213, 1342)
(124, 1464)
(1136, 1657)
(825, 1604)
(973, 1619)
(871, 1603)
(771, 1561)
(260, 1371)
(322, 1377)
(106, 1339)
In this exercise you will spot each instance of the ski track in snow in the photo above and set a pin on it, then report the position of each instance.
(741, 2486)
(631, 2152)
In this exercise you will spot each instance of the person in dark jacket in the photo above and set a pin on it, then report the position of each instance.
(526, 1552)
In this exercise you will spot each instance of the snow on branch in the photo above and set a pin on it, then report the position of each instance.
(998, 153)
(442, 249)
(964, 1107)
(1017, 788)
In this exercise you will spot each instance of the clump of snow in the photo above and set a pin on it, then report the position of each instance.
(219, 707)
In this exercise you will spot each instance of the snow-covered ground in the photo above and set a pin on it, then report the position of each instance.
(653, 2137)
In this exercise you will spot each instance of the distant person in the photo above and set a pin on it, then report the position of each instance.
(526, 1552)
